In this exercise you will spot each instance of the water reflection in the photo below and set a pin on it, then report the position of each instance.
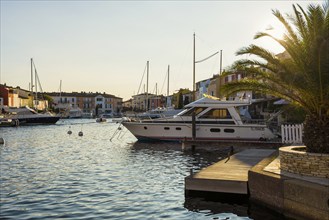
(49, 174)
(224, 209)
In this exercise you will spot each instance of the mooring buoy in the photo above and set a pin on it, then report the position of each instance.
(80, 133)
(69, 131)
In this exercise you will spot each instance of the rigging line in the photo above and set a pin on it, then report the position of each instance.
(213, 68)
(141, 79)
(36, 75)
(164, 82)
(155, 87)
(199, 61)
(38, 80)
(208, 43)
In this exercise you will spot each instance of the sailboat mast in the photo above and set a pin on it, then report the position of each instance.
(220, 68)
(147, 87)
(156, 94)
(36, 85)
(168, 87)
(32, 81)
(60, 91)
(193, 66)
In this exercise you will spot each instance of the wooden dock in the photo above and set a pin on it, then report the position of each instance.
(229, 175)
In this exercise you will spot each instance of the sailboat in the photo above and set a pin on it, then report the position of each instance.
(158, 112)
(29, 116)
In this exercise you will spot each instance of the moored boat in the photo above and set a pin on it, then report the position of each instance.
(101, 119)
(214, 121)
(28, 116)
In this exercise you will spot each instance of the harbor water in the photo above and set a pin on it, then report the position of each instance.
(47, 173)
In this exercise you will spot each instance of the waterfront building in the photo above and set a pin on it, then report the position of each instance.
(181, 98)
(214, 85)
(147, 101)
(95, 103)
(202, 88)
(17, 97)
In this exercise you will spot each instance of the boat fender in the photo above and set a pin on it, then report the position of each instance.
(80, 133)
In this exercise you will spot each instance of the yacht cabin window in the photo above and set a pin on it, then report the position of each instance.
(196, 109)
(217, 114)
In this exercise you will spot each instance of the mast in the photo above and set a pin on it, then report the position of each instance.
(168, 87)
(193, 92)
(32, 81)
(156, 94)
(60, 91)
(147, 87)
(220, 67)
(36, 85)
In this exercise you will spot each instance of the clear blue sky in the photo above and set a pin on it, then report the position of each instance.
(104, 45)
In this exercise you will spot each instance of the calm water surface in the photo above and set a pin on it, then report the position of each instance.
(48, 174)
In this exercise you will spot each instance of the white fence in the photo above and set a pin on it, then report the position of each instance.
(292, 134)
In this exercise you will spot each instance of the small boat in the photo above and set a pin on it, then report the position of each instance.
(75, 113)
(203, 120)
(101, 119)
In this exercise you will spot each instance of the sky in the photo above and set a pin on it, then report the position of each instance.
(103, 46)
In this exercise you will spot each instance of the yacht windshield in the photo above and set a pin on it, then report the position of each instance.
(217, 114)
(196, 109)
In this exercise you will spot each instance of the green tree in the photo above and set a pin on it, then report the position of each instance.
(301, 77)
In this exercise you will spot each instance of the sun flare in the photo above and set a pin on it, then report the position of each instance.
(276, 30)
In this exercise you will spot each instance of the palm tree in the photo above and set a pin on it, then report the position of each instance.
(302, 77)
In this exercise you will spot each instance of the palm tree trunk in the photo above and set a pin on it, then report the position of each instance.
(316, 133)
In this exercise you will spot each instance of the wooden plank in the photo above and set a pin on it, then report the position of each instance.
(229, 175)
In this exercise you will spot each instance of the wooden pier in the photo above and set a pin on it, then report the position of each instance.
(229, 175)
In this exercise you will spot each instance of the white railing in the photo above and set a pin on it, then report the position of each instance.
(292, 134)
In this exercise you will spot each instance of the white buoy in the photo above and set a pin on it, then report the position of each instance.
(69, 131)
(2, 141)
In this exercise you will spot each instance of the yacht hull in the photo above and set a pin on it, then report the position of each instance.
(204, 132)
(38, 120)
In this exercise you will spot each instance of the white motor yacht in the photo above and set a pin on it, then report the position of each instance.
(214, 121)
